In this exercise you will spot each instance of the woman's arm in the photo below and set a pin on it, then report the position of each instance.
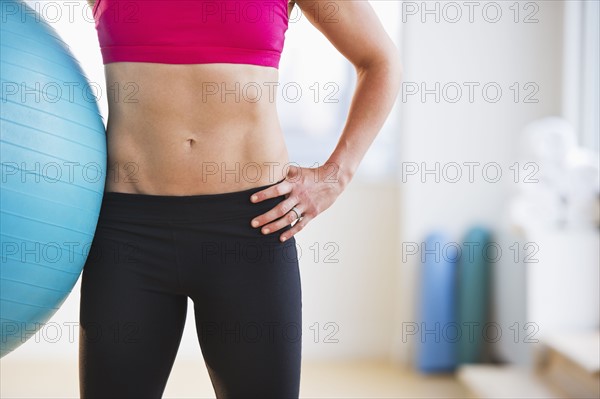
(360, 37)
(355, 31)
(91, 3)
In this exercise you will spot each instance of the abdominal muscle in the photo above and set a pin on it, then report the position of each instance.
(192, 129)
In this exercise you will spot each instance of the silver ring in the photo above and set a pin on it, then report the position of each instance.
(298, 215)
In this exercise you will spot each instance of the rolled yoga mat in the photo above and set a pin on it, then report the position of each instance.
(473, 293)
(438, 328)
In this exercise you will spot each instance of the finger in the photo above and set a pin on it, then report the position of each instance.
(277, 190)
(278, 211)
(295, 228)
(293, 172)
(282, 222)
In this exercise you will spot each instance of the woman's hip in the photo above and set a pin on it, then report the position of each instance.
(201, 239)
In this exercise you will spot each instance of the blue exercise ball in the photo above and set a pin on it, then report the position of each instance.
(53, 157)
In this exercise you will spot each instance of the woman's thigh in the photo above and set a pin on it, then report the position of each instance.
(248, 310)
(131, 315)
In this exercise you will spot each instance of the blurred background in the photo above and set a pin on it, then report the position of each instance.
(463, 258)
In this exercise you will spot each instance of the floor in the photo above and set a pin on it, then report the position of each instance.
(364, 379)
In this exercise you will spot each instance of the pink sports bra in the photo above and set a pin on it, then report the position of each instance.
(192, 31)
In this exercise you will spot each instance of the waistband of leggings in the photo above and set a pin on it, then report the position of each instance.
(204, 207)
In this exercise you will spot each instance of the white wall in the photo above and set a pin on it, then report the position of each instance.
(503, 52)
(359, 292)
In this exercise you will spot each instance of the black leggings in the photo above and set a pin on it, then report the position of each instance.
(149, 254)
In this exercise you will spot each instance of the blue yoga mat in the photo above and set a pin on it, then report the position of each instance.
(438, 328)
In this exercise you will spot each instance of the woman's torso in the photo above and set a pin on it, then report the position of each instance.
(192, 128)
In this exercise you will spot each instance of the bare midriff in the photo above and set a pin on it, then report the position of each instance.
(192, 129)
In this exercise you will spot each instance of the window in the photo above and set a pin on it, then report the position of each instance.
(581, 85)
(315, 91)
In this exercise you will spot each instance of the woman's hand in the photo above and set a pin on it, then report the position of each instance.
(308, 191)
